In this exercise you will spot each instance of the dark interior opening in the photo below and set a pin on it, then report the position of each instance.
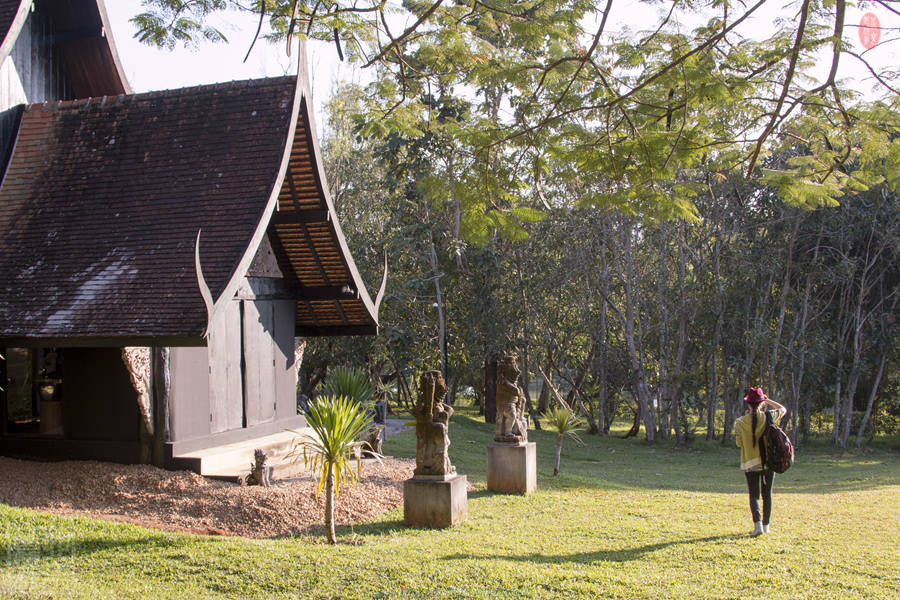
(32, 396)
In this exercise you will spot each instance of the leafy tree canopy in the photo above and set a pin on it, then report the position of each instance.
(550, 95)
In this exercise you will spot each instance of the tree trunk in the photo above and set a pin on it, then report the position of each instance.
(712, 396)
(588, 412)
(526, 384)
(847, 407)
(329, 504)
(635, 425)
(836, 411)
(801, 345)
(436, 277)
(782, 309)
(641, 392)
(603, 410)
(575, 395)
(454, 387)
(490, 389)
(559, 443)
(663, 398)
(685, 325)
(544, 398)
(556, 394)
(729, 408)
(408, 399)
(865, 420)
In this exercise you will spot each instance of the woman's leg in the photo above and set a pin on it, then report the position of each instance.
(753, 487)
(768, 478)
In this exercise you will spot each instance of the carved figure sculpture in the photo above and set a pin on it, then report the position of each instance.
(432, 419)
(512, 424)
(259, 472)
(373, 443)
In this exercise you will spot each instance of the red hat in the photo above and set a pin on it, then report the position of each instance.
(754, 396)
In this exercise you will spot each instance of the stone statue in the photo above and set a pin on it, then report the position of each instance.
(259, 472)
(373, 443)
(512, 423)
(432, 418)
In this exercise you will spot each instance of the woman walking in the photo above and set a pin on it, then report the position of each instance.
(747, 433)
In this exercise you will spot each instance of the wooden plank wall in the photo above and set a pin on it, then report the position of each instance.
(225, 385)
(259, 361)
(189, 394)
(285, 372)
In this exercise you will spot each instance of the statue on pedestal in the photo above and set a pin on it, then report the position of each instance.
(432, 418)
(512, 423)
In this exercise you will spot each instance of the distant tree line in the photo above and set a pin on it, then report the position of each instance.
(619, 312)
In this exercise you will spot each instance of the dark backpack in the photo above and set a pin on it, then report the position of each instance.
(777, 450)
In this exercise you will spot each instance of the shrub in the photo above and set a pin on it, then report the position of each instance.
(337, 424)
(564, 423)
(351, 383)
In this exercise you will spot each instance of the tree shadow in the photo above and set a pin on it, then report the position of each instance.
(19, 554)
(624, 555)
(345, 533)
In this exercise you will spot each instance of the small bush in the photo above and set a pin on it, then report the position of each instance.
(351, 383)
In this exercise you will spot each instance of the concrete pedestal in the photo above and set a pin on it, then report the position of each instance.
(512, 468)
(435, 501)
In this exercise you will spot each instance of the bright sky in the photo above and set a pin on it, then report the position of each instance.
(149, 68)
(152, 69)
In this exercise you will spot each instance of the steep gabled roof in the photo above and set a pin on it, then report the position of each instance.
(309, 243)
(103, 200)
(82, 32)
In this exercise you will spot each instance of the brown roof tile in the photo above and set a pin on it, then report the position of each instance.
(103, 199)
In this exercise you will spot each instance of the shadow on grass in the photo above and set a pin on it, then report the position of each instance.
(625, 555)
(22, 553)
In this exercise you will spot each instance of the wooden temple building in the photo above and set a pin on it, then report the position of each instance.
(160, 252)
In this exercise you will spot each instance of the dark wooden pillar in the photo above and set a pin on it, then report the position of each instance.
(160, 385)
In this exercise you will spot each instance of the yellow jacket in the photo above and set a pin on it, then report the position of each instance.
(743, 437)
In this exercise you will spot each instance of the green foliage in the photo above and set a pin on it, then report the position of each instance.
(351, 383)
(633, 117)
(168, 23)
(564, 423)
(337, 424)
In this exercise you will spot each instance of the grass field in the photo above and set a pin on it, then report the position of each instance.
(625, 519)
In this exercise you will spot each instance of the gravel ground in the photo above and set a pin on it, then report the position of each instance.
(185, 501)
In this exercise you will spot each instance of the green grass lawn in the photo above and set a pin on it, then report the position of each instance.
(625, 519)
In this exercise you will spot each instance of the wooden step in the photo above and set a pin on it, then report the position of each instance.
(232, 461)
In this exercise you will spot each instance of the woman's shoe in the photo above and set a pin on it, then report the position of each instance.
(757, 529)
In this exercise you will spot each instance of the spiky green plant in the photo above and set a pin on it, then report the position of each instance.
(349, 382)
(337, 424)
(564, 423)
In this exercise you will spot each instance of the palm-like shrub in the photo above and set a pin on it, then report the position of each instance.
(564, 423)
(349, 382)
(337, 424)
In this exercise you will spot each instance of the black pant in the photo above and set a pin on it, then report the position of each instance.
(753, 478)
